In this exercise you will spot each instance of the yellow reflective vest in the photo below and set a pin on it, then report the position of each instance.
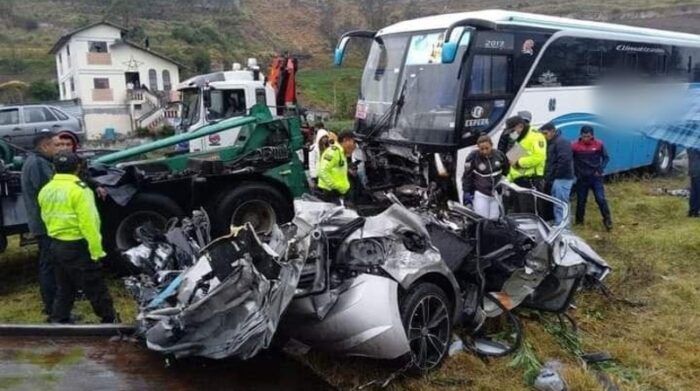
(69, 212)
(333, 170)
(533, 163)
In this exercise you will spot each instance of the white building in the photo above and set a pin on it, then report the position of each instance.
(121, 85)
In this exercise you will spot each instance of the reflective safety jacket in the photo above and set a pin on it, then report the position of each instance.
(533, 163)
(69, 212)
(333, 170)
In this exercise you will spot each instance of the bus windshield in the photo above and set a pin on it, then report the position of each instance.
(407, 94)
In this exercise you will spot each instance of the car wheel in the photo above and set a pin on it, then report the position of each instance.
(257, 203)
(663, 159)
(427, 320)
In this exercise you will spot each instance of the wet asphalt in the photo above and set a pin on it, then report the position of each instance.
(91, 363)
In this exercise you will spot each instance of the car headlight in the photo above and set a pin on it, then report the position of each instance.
(366, 252)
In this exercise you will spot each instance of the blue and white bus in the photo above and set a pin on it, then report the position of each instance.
(439, 82)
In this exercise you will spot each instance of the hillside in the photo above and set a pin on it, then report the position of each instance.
(211, 34)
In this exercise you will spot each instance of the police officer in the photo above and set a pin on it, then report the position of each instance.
(333, 180)
(528, 169)
(36, 173)
(73, 224)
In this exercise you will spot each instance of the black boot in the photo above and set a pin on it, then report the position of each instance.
(608, 224)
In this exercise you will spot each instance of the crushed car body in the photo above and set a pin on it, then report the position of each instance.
(387, 285)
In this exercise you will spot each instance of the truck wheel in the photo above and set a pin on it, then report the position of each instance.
(3, 242)
(144, 207)
(257, 203)
(425, 312)
(663, 159)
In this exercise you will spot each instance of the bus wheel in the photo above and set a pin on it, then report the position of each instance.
(257, 203)
(663, 159)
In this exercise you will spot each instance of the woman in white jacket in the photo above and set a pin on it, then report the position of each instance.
(321, 142)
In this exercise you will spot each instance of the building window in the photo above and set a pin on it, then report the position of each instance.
(98, 46)
(166, 80)
(68, 56)
(60, 63)
(72, 84)
(101, 83)
(152, 80)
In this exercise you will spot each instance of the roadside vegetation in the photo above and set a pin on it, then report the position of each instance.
(649, 326)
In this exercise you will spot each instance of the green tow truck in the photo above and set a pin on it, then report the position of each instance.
(255, 179)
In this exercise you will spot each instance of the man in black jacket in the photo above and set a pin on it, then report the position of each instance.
(483, 169)
(559, 171)
(37, 171)
(694, 174)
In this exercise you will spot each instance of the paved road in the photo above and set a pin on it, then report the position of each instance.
(98, 364)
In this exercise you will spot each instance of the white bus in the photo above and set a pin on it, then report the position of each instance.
(440, 94)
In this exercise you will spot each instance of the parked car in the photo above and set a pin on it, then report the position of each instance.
(19, 124)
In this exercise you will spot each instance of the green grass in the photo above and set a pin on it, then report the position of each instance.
(655, 254)
(20, 301)
(333, 89)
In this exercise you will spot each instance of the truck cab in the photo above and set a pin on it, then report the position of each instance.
(216, 96)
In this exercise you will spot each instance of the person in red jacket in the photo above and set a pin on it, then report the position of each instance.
(590, 159)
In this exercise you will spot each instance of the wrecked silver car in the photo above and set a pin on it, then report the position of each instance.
(387, 285)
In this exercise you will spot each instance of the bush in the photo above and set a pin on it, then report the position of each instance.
(43, 90)
(142, 132)
(166, 131)
(201, 61)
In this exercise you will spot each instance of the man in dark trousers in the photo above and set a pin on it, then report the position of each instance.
(73, 224)
(559, 170)
(37, 171)
(694, 174)
(590, 159)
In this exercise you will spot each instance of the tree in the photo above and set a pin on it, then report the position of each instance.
(201, 61)
(328, 25)
(376, 13)
(43, 90)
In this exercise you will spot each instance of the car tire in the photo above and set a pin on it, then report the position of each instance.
(429, 341)
(258, 203)
(663, 159)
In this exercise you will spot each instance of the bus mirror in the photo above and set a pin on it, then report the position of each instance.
(340, 51)
(449, 52)
(339, 54)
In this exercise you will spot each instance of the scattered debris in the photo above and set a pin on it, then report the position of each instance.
(549, 378)
(685, 193)
(380, 286)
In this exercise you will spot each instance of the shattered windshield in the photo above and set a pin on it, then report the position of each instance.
(407, 94)
(190, 107)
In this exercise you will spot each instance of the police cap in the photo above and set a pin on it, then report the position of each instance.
(66, 162)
